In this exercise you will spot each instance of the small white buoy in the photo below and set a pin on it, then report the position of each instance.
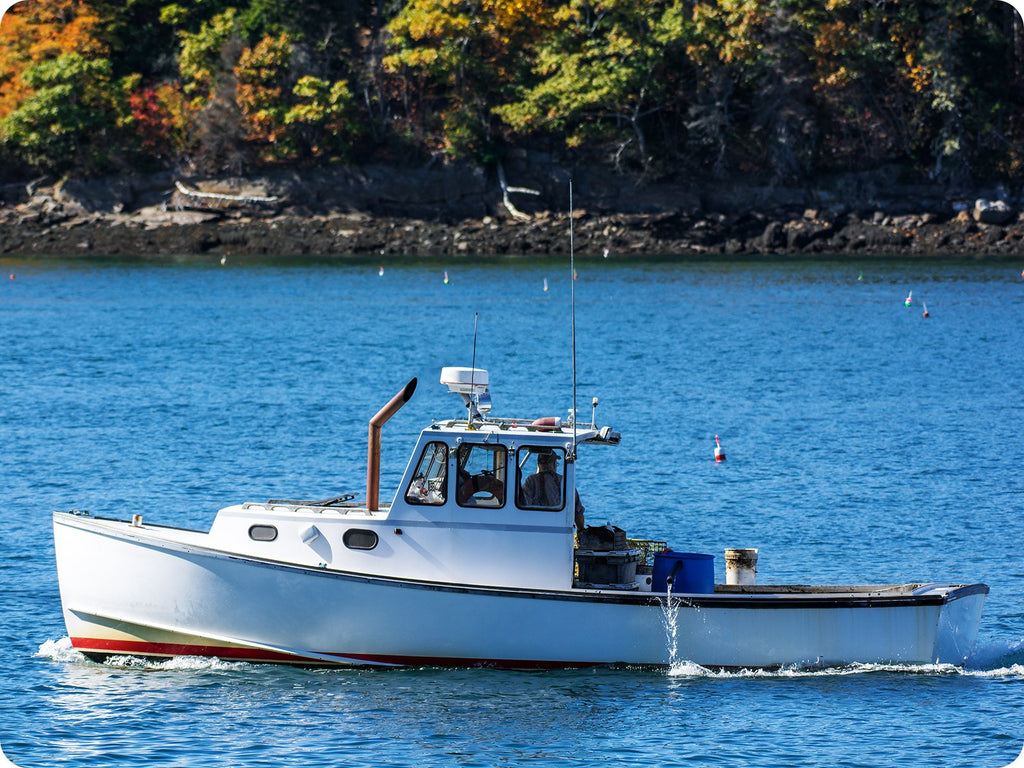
(223, 260)
(545, 283)
(719, 451)
(909, 300)
(446, 277)
(380, 272)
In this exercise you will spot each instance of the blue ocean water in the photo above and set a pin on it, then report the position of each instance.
(865, 443)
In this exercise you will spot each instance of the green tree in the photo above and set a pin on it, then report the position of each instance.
(322, 119)
(865, 105)
(206, 62)
(755, 83)
(291, 117)
(207, 57)
(457, 60)
(65, 120)
(601, 74)
(951, 62)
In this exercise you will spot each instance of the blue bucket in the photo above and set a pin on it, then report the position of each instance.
(694, 574)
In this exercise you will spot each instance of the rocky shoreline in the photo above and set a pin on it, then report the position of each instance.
(444, 215)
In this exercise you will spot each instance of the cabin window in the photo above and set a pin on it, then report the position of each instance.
(357, 538)
(262, 533)
(428, 484)
(540, 477)
(481, 475)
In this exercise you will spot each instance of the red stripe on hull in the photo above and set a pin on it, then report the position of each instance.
(104, 647)
(141, 648)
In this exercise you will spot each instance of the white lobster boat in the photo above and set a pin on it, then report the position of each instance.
(469, 565)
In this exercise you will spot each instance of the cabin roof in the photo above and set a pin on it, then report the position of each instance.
(584, 433)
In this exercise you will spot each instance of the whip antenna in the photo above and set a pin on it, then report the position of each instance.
(572, 305)
(472, 373)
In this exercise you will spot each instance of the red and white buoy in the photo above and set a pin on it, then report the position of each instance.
(719, 451)
(925, 313)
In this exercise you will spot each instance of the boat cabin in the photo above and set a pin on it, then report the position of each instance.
(483, 501)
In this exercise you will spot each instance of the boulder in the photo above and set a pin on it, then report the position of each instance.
(992, 212)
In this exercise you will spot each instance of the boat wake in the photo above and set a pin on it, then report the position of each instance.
(996, 660)
(993, 659)
(996, 655)
(62, 651)
(690, 669)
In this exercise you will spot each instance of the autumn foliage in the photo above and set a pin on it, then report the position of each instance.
(778, 89)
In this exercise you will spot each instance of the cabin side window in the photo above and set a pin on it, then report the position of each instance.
(262, 532)
(429, 484)
(480, 477)
(540, 481)
(357, 538)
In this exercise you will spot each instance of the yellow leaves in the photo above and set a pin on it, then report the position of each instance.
(509, 15)
(730, 31)
(433, 33)
(432, 21)
(920, 77)
(566, 14)
(840, 78)
(262, 72)
(950, 146)
(199, 58)
(415, 58)
(423, 26)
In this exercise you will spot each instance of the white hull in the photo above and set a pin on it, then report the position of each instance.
(161, 592)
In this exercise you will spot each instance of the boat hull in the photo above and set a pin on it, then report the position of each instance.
(142, 591)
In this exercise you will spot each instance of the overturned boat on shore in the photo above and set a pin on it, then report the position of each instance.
(480, 559)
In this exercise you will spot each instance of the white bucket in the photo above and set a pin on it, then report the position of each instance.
(740, 566)
(643, 582)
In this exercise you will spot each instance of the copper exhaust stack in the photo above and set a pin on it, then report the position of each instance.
(373, 449)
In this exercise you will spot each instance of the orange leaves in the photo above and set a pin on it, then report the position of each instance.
(39, 30)
(262, 73)
(53, 27)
